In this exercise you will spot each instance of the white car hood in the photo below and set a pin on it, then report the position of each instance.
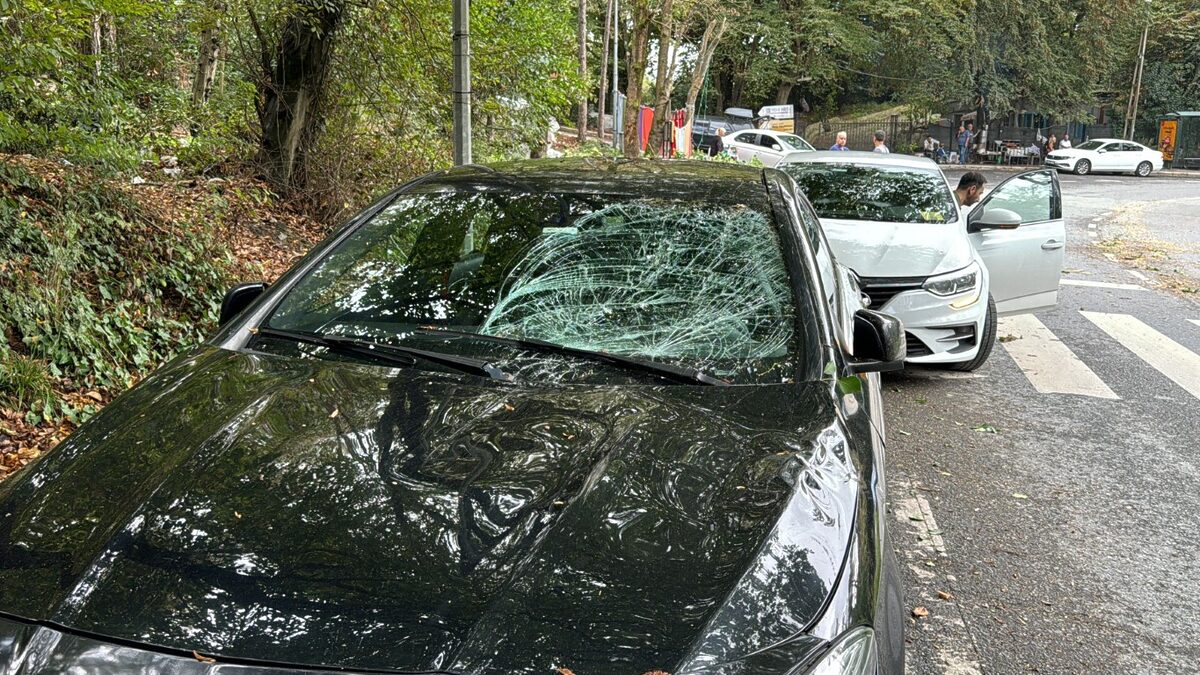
(874, 249)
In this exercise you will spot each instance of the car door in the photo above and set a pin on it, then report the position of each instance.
(743, 145)
(1131, 156)
(770, 149)
(1024, 263)
(1108, 157)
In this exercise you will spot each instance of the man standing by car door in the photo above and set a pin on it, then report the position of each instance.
(970, 188)
(840, 145)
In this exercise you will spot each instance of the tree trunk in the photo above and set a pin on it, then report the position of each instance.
(783, 93)
(95, 46)
(582, 115)
(210, 51)
(662, 91)
(713, 30)
(293, 87)
(602, 98)
(639, 42)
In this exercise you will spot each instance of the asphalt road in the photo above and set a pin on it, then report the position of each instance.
(1060, 532)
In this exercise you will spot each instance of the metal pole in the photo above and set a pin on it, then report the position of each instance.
(462, 82)
(1137, 86)
(616, 57)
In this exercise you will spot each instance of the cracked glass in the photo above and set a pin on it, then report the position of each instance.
(696, 283)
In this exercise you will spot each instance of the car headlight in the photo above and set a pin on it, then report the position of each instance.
(966, 280)
(854, 653)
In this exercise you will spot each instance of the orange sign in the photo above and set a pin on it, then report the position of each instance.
(1167, 129)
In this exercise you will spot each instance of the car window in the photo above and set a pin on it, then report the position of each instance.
(875, 193)
(1031, 196)
(702, 284)
(1089, 145)
(795, 142)
(749, 138)
(768, 141)
(812, 232)
(1131, 147)
(1112, 147)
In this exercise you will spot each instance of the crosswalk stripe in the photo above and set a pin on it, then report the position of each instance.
(1180, 364)
(1101, 284)
(1050, 366)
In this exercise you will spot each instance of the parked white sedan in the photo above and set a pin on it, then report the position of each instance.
(946, 272)
(767, 145)
(1106, 154)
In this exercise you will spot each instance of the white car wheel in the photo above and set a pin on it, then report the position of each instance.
(1144, 169)
(1083, 167)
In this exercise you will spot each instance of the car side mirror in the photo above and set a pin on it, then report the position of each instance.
(994, 219)
(239, 298)
(879, 344)
(1101, 151)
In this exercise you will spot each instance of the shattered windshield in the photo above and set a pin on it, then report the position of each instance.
(700, 284)
(875, 193)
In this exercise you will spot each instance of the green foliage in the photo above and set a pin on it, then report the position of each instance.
(96, 288)
(26, 385)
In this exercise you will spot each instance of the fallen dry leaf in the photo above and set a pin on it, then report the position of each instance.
(202, 658)
(333, 414)
(920, 612)
(565, 671)
(945, 596)
(508, 407)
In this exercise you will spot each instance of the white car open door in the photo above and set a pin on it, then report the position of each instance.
(1019, 232)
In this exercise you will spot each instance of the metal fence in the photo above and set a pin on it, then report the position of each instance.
(905, 135)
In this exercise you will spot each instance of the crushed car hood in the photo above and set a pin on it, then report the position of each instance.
(311, 512)
(875, 249)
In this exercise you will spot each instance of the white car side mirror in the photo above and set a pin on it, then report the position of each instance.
(998, 219)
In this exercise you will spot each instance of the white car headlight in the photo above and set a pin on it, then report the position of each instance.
(854, 653)
(967, 280)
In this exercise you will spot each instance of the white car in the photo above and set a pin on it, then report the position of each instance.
(1106, 154)
(767, 145)
(944, 271)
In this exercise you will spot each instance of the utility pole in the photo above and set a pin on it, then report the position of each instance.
(462, 82)
(1131, 117)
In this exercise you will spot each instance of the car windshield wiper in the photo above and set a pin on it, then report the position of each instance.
(673, 372)
(405, 356)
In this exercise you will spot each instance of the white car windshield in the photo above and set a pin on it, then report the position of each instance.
(796, 142)
(875, 193)
(1090, 145)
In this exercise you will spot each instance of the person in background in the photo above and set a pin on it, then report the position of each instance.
(1065, 142)
(840, 145)
(965, 134)
(1051, 144)
(970, 188)
(718, 144)
(879, 146)
(928, 148)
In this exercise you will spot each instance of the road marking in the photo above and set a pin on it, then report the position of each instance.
(1102, 284)
(1180, 364)
(1195, 321)
(1049, 365)
(915, 511)
(1138, 275)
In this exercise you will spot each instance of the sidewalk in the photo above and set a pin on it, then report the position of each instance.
(1016, 168)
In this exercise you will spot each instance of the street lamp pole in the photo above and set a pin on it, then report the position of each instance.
(462, 82)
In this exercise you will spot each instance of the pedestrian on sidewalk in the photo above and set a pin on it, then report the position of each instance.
(1065, 142)
(840, 144)
(879, 146)
(970, 188)
(965, 136)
